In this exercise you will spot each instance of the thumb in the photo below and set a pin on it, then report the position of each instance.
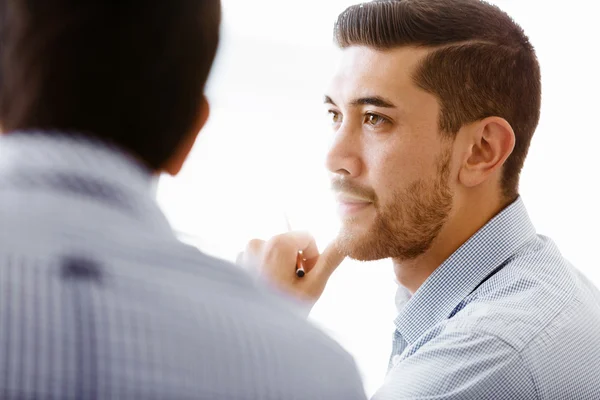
(328, 262)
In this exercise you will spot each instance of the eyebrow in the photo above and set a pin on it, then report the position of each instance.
(375, 101)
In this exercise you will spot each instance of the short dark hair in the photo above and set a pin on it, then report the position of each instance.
(131, 72)
(481, 64)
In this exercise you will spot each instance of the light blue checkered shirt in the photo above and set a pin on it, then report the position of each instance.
(99, 300)
(505, 317)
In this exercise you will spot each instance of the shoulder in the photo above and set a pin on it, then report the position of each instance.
(268, 331)
(195, 313)
(534, 288)
(459, 365)
(316, 365)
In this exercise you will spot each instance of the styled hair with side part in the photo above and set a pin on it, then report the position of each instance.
(481, 64)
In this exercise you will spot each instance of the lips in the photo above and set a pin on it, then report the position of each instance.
(351, 204)
(350, 199)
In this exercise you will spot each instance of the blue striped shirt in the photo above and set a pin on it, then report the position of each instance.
(99, 300)
(505, 317)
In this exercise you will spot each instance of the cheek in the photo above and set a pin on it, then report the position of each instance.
(392, 170)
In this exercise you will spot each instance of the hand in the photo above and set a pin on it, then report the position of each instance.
(276, 260)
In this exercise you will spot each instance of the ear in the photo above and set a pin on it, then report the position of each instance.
(174, 164)
(491, 141)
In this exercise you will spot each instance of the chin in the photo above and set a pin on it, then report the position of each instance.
(371, 244)
(364, 257)
(360, 244)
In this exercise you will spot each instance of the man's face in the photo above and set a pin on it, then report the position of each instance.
(390, 164)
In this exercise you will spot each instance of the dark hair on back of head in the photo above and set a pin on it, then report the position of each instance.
(130, 72)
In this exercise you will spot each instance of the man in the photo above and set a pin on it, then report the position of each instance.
(433, 109)
(98, 299)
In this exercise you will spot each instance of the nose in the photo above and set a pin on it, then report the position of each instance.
(343, 157)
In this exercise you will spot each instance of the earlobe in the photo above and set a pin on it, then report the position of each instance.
(492, 140)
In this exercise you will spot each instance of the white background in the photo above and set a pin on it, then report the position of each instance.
(261, 154)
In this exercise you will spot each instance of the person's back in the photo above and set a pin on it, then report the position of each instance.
(98, 299)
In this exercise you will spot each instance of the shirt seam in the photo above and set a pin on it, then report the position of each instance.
(525, 364)
(516, 351)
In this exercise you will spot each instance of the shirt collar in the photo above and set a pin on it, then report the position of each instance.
(463, 271)
(56, 151)
(44, 154)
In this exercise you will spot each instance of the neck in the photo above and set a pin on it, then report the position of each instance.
(463, 223)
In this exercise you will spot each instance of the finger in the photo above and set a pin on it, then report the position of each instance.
(281, 251)
(309, 263)
(302, 241)
(255, 247)
(327, 262)
(251, 256)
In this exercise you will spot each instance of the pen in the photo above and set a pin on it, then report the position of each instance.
(300, 258)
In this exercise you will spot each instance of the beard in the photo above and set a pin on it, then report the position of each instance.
(405, 227)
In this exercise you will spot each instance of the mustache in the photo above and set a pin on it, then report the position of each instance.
(352, 188)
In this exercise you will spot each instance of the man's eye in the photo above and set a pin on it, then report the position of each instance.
(374, 119)
(335, 116)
